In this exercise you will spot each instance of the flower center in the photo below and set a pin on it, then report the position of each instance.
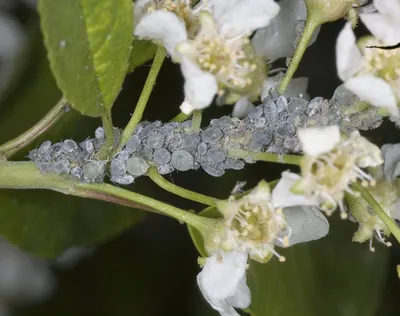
(333, 172)
(256, 228)
(226, 59)
(384, 63)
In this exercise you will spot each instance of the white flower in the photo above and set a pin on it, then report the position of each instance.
(253, 225)
(384, 25)
(331, 163)
(278, 38)
(373, 74)
(214, 50)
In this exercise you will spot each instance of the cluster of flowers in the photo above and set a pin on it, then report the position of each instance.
(269, 127)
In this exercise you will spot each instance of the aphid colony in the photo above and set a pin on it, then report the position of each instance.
(269, 127)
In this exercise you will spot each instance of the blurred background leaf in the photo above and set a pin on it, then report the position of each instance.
(88, 44)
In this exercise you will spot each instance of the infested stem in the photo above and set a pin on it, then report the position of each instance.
(177, 190)
(52, 117)
(144, 97)
(196, 120)
(25, 175)
(181, 117)
(268, 157)
(308, 31)
(378, 210)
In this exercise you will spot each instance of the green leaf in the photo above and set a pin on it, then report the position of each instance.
(331, 276)
(142, 51)
(88, 44)
(45, 222)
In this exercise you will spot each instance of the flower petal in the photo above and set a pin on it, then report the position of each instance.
(222, 274)
(242, 107)
(306, 223)
(391, 157)
(162, 26)
(382, 27)
(375, 91)
(348, 56)
(282, 195)
(388, 7)
(242, 297)
(200, 86)
(139, 9)
(240, 17)
(315, 141)
(276, 40)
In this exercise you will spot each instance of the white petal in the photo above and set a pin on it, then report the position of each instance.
(348, 56)
(200, 86)
(283, 197)
(382, 27)
(315, 141)
(240, 17)
(276, 40)
(388, 7)
(307, 224)
(242, 297)
(222, 274)
(375, 91)
(391, 157)
(223, 282)
(242, 107)
(162, 26)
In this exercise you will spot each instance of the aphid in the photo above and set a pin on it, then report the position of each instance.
(281, 104)
(33, 154)
(62, 166)
(93, 171)
(69, 146)
(117, 167)
(88, 145)
(233, 163)
(161, 156)
(165, 169)
(123, 154)
(167, 130)
(77, 172)
(99, 133)
(146, 152)
(262, 137)
(260, 122)
(212, 169)
(215, 156)
(182, 160)
(147, 130)
(155, 139)
(124, 180)
(284, 130)
(238, 188)
(175, 142)
(134, 144)
(136, 166)
(270, 110)
(211, 135)
(201, 151)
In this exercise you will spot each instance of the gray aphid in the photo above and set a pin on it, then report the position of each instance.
(44, 147)
(88, 145)
(161, 156)
(270, 110)
(45, 167)
(149, 128)
(281, 104)
(62, 166)
(134, 144)
(77, 172)
(224, 123)
(146, 152)
(165, 169)
(285, 129)
(124, 180)
(212, 169)
(155, 139)
(212, 135)
(260, 122)
(123, 154)
(262, 137)
(69, 146)
(201, 151)
(215, 156)
(33, 154)
(56, 150)
(255, 113)
(182, 160)
(175, 142)
(99, 133)
(314, 106)
(93, 171)
(168, 131)
(233, 163)
(137, 166)
(117, 167)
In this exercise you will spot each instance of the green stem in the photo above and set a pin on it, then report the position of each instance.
(177, 190)
(379, 211)
(268, 157)
(181, 117)
(144, 97)
(53, 116)
(308, 31)
(196, 120)
(108, 127)
(25, 175)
